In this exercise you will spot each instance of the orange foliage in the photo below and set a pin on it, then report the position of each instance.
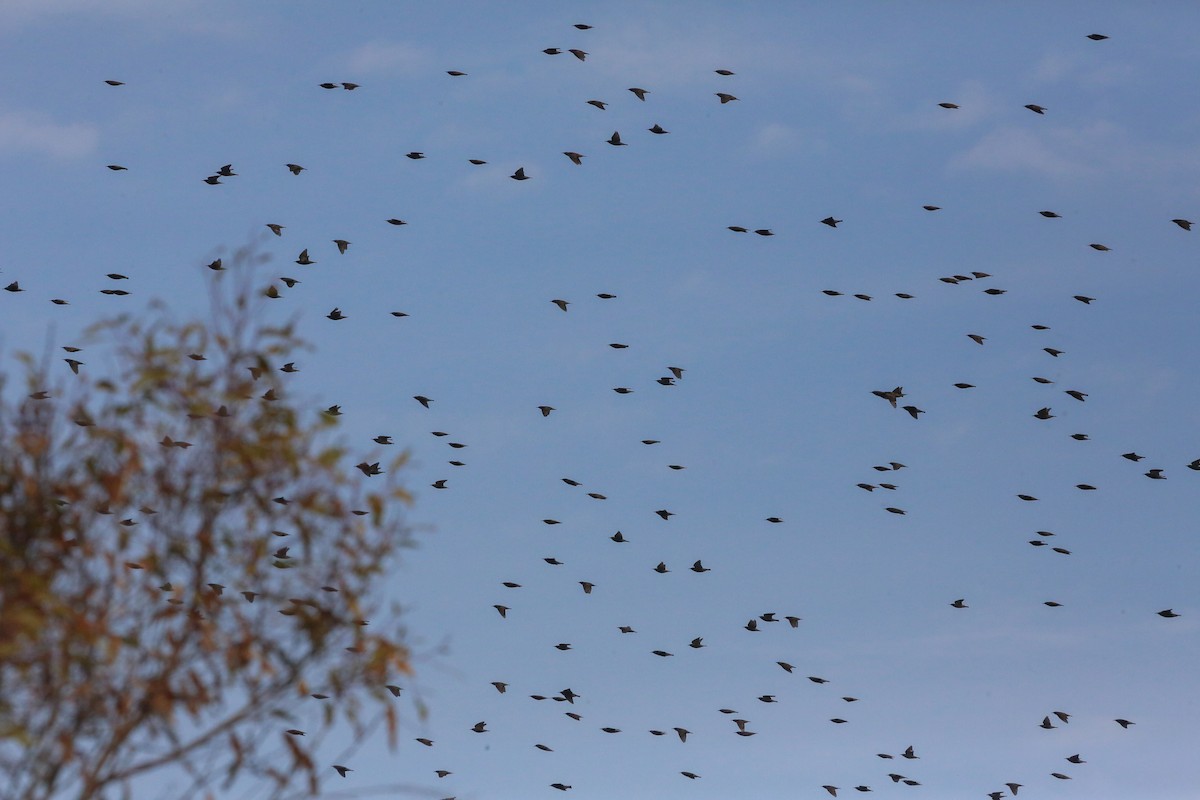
(165, 569)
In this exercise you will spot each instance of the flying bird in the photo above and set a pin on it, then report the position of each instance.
(891, 396)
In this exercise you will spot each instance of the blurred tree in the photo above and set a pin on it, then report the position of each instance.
(186, 564)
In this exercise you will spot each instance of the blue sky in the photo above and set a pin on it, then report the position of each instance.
(837, 115)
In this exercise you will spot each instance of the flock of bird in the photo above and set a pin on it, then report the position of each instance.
(735, 722)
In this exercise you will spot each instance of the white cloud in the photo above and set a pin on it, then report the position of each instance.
(30, 132)
(1100, 148)
(775, 139)
(154, 16)
(388, 57)
(1015, 149)
(975, 104)
(1059, 68)
(19, 11)
(1054, 67)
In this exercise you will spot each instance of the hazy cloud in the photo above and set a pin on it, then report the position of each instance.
(1083, 151)
(1017, 149)
(30, 132)
(975, 104)
(18, 11)
(775, 139)
(1059, 68)
(388, 57)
